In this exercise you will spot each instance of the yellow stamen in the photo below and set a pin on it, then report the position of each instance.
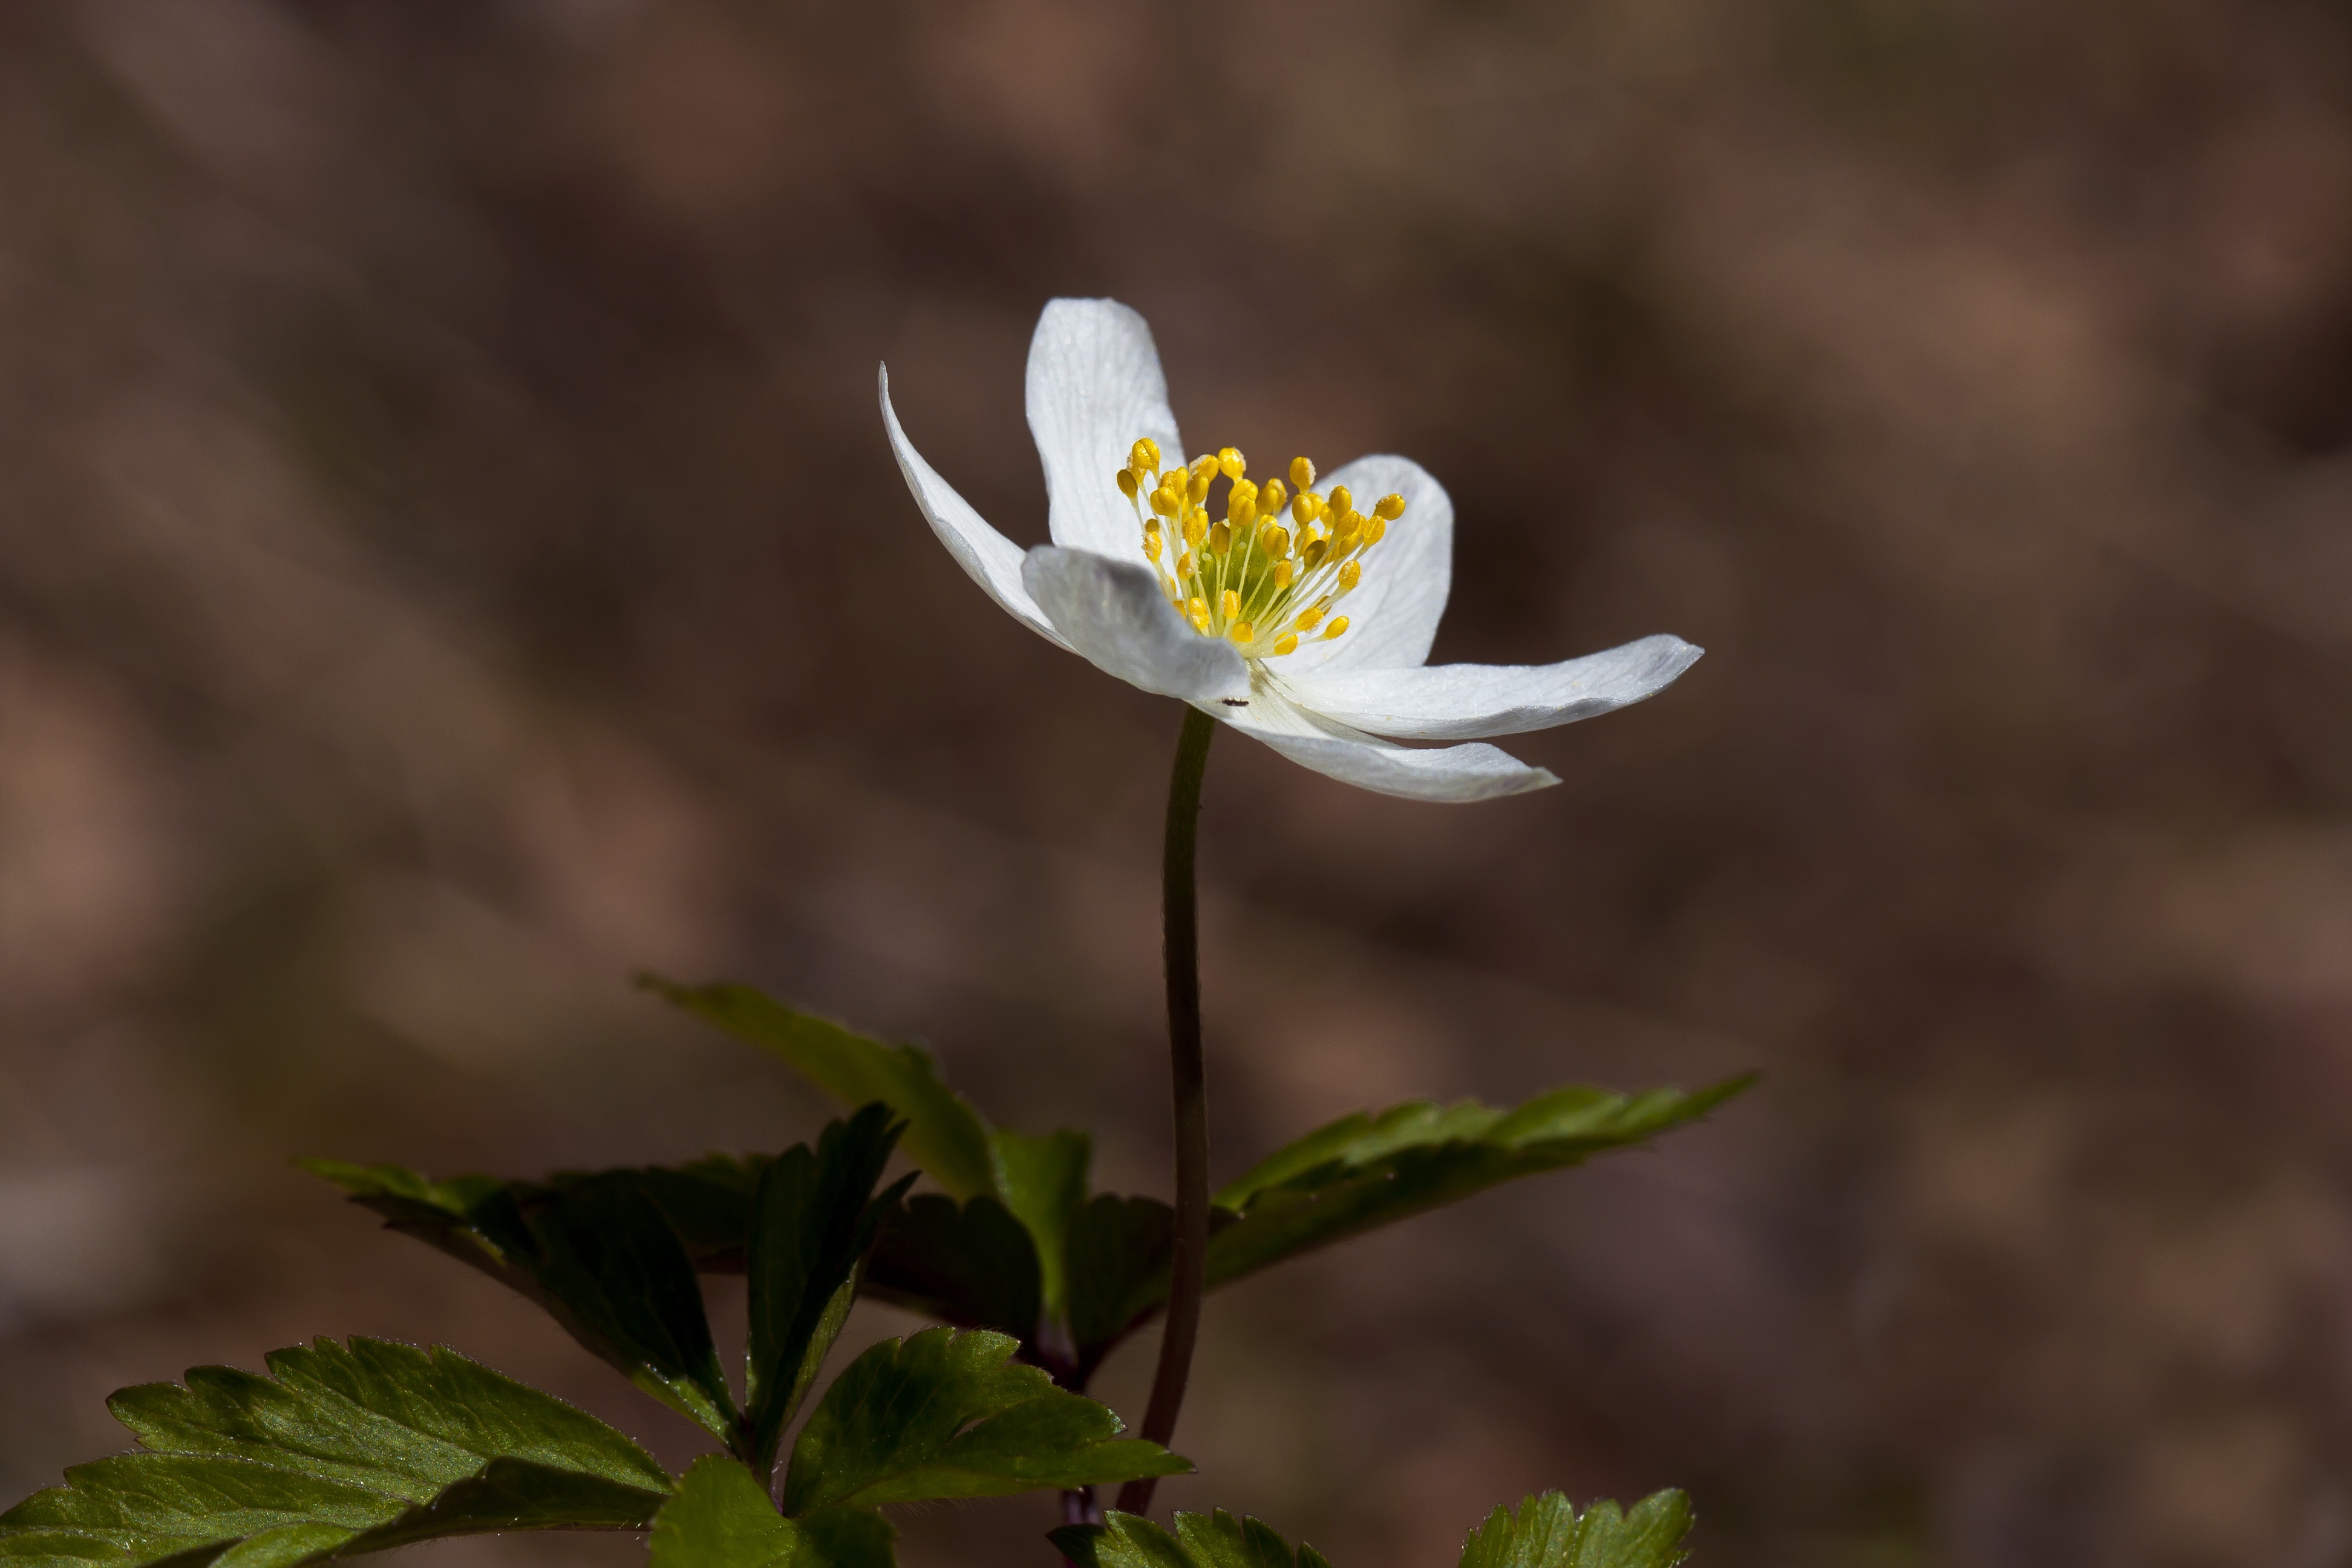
(1194, 527)
(1243, 632)
(1273, 542)
(1289, 643)
(1349, 576)
(1271, 499)
(1390, 507)
(1230, 463)
(1221, 538)
(1199, 611)
(1335, 628)
(1184, 564)
(1340, 500)
(1144, 456)
(1198, 489)
(1126, 485)
(1242, 504)
(1229, 603)
(1375, 530)
(1163, 501)
(1282, 575)
(1308, 621)
(1302, 473)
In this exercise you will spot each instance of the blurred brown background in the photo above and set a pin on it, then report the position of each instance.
(450, 558)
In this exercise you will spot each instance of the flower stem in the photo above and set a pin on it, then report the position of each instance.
(1181, 949)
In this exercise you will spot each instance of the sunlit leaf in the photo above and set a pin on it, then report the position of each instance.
(1357, 1174)
(944, 1134)
(947, 1415)
(1044, 1182)
(340, 1450)
(1546, 1531)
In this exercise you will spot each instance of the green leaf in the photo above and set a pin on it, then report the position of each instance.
(620, 1279)
(971, 1264)
(1044, 1182)
(341, 1450)
(1546, 1532)
(944, 1135)
(1201, 1540)
(1118, 1269)
(1364, 1172)
(944, 1414)
(722, 1518)
(813, 1219)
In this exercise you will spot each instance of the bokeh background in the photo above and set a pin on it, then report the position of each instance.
(449, 558)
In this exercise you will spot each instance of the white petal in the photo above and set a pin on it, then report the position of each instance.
(1451, 773)
(1113, 613)
(1392, 615)
(1094, 387)
(1457, 701)
(993, 561)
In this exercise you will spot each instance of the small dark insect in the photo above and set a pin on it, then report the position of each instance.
(1234, 701)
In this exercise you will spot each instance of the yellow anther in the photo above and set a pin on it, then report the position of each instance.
(1310, 619)
(1229, 462)
(1199, 611)
(1311, 553)
(1374, 532)
(1243, 632)
(1282, 574)
(1349, 576)
(1151, 541)
(1126, 485)
(1198, 489)
(1144, 456)
(1271, 497)
(1242, 504)
(1344, 533)
(1164, 502)
(1340, 500)
(1204, 466)
(1390, 507)
(1184, 564)
(1221, 538)
(1273, 542)
(1335, 628)
(1229, 604)
(1195, 525)
(1302, 473)
(1289, 643)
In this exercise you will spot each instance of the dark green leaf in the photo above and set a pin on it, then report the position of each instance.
(944, 1135)
(1118, 1269)
(944, 1414)
(971, 1264)
(1044, 1182)
(1365, 1172)
(342, 1450)
(623, 1284)
(1546, 1532)
(600, 1252)
(813, 1219)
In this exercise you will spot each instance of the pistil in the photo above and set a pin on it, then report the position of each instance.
(1245, 577)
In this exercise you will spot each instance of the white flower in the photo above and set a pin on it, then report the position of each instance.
(1295, 616)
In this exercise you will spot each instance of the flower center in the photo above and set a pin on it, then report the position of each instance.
(1249, 578)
